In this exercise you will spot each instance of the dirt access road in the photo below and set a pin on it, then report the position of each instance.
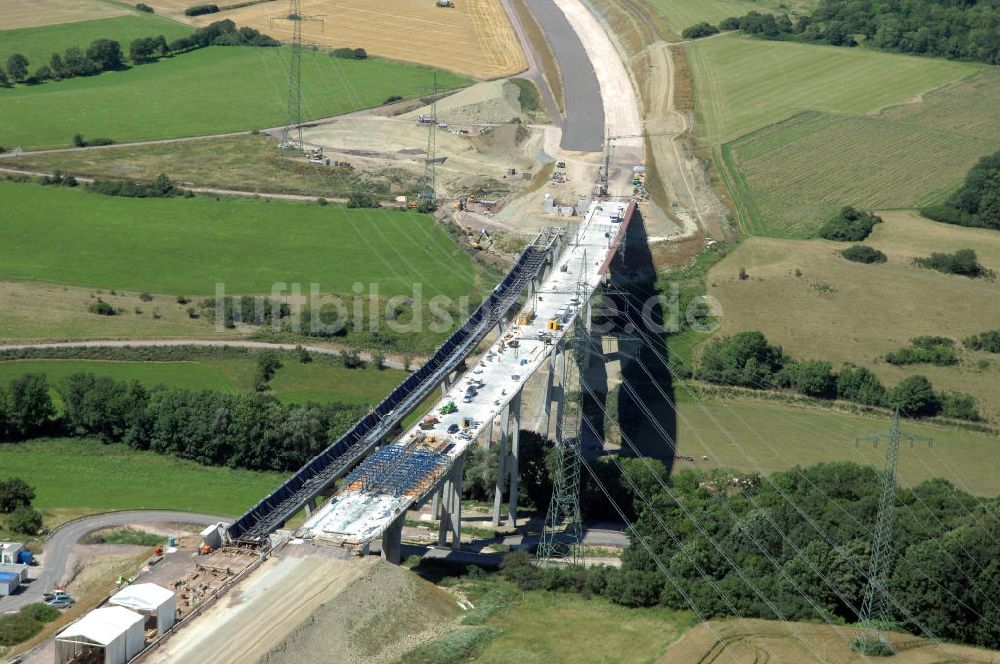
(61, 541)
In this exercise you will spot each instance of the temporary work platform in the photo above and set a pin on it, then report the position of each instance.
(9, 581)
(157, 604)
(9, 552)
(115, 630)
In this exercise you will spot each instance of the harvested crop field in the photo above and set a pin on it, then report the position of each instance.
(473, 38)
(792, 176)
(803, 643)
(742, 84)
(32, 13)
(305, 602)
(684, 13)
(851, 312)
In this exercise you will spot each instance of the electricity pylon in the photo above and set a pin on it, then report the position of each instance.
(875, 609)
(431, 160)
(562, 534)
(293, 117)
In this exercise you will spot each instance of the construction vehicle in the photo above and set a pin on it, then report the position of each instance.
(480, 242)
(448, 408)
(555, 324)
(525, 317)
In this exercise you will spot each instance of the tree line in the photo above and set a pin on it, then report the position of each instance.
(802, 538)
(746, 359)
(953, 29)
(253, 431)
(977, 201)
(108, 55)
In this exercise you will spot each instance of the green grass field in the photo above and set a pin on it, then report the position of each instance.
(742, 84)
(791, 176)
(769, 436)
(189, 245)
(212, 90)
(869, 309)
(321, 381)
(83, 474)
(684, 13)
(39, 43)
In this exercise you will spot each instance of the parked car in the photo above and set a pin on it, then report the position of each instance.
(453, 428)
(61, 602)
(55, 594)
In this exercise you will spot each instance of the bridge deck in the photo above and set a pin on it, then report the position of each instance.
(389, 482)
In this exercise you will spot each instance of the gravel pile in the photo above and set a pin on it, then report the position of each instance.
(493, 102)
(376, 618)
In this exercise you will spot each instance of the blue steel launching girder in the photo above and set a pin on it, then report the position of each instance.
(322, 470)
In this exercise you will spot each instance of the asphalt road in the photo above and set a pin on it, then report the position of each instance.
(583, 126)
(60, 543)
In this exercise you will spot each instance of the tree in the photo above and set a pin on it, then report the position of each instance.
(43, 73)
(15, 492)
(699, 30)
(268, 363)
(25, 520)
(144, 49)
(30, 405)
(744, 359)
(76, 63)
(57, 65)
(17, 67)
(815, 378)
(4, 81)
(860, 385)
(915, 396)
(106, 53)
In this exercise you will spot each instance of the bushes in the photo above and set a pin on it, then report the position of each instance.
(925, 350)
(57, 179)
(860, 253)
(349, 53)
(102, 308)
(963, 262)
(143, 7)
(17, 67)
(268, 364)
(748, 360)
(19, 627)
(148, 49)
(850, 225)
(199, 10)
(160, 187)
(80, 142)
(25, 408)
(988, 341)
(14, 493)
(362, 199)
(25, 520)
(977, 203)
(699, 30)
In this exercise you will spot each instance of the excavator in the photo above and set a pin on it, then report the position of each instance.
(480, 242)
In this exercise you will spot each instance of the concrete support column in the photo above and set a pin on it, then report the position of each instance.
(549, 383)
(456, 503)
(392, 540)
(512, 462)
(311, 506)
(487, 440)
(501, 467)
(445, 512)
(436, 504)
(561, 403)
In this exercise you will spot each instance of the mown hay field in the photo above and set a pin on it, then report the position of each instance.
(840, 311)
(39, 43)
(684, 13)
(187, 246)
(212, 90)
(322, 380)
(474, 38)
(82, 475)
(792, 176)
(752, 640)
(32, 13)
(743, 84)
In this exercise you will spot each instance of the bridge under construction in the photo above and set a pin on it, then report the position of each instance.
(549, 288)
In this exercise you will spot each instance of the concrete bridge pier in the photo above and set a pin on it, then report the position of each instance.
(311, 505)
(507, 469)
(451, 506)
(392, 540)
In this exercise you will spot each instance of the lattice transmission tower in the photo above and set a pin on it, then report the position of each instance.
(291, 136)
(562, 534)
(877, 604)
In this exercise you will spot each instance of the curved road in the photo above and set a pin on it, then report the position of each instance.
(61, 541)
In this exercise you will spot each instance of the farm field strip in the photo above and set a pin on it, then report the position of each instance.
(208, 91)
(319, 381)
(39, 43)
(743, 84)
(82, 238)
(684, 13)
(36, 13)
(84, 474)
(474, 38)
(871, 163)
